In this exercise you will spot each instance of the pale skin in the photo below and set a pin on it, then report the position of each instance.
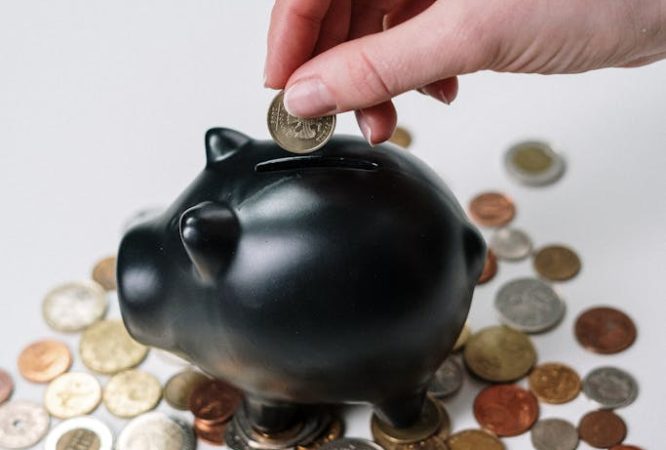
(333, 56)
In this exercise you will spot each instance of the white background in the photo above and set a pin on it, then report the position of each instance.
(103, 107)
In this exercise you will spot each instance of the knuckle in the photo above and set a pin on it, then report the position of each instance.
(370, 76)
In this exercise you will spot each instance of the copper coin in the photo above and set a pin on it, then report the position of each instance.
(506, 409)
(6, 386)
(625, 447)
(557, 263)
(210, 433)
(605, 330)
(602, 429)
(43, 361)
(492, 209)
(554, 383)
(489, 268)
(104, 273)
(214, 401)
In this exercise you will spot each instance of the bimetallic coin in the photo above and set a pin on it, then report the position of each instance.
(131, 393)
(179, 388)
(74, 306)
(81, 433)
(510, 244)
(492, 209)
(462, 338)
(214, 401)
(156, 431)
(534, 163)
(489, 268)
(554, 383)
(433, 418)
(447, 380)
(73, 394)
(602, 429)
(401, 137)
(474, 440)
(529, 305)
(506, 409)
(104, 273)
(6, 386)
(42, 361)
(22, 424)
(351, 444)
(298, 135)
(106, 347)
(605, 330)
(610, 387)
(554, 434)
(499, 354)
(557, 263)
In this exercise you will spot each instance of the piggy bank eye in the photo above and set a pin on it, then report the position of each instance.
(314, 162)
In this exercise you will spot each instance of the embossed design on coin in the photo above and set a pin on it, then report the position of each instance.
(474, 440)
(534, 163)
(214, 401)
(432, 420)
(605, 330)
(610, 387)
(298, 135)
(464, 336)
(22, 424)
(104, 273)
(510, 244)
(506, 409)
(557, 263)
(401, 137)
(554, 383)
(81, 433)
(74, 306)
(492, 209)
(447, 380)
(42, 361)
(179, 388)
(529, 305)
(6, 386)
(106, 347)
(156, 431)
(489, 268)
(131, 393)
(554, 434)
(602, 429)
(499, 354)
(73, 394)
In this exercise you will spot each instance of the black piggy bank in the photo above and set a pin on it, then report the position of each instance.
(342, 276)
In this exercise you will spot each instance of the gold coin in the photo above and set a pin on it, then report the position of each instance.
(178, 389)
(131, 393)
(464, 336)
(401, 137)
(72, 394)
(106, 347)
(104, 273)
(554, 383)
(474, 440)
(557, 263)
(499, 354)
(434, 421)
(298, 135)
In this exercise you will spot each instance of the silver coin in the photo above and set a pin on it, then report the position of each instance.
(22, 424)
(610, 387)
(81, 433)
(554, 434)
(74, 306)
(447, 380)
(534, 163)
(141, 216)
(529, 305)
(351, 444)
(510, 244)
(156, 431)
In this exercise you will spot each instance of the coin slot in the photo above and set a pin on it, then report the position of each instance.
(315, 162)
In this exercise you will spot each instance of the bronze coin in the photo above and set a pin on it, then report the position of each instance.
(104, 273)
(557, 263)
(432, 419)
(489, 268)
(506, 409)
(554, 383)
(605, 330)
(602, 429)
(6, 386)
(43, 361)
(625, 447)
(210, 433)
(492, 209)
(214, 401)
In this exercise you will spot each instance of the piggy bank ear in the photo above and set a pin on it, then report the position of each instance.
(209, 232)
(223, 142)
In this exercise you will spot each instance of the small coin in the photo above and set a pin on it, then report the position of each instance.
(506, 409)
(610, 387)
(554, 383)
(492, 209)
(432, 420)
(510, 244)
(489, 268)
(104, 273)
(74, 306)
(447, 380)
(298, 135)
(22, 424)
(72, 394)
(156, 431)
(464, 336)
(80, 433)
(212, 433)
(401, 137)
(141, 216)
(214, 401)
(529, 305)
(534, 163)
(474, 440)
(602, 429)
(130, 393)
(605, 330)
(179, 388)
(351, 444)
(554, 434)
(499, 354)
(106, 347)
(557, 263)
(6, 386)
(42, 361)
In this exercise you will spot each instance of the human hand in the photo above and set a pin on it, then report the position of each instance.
(333, 56)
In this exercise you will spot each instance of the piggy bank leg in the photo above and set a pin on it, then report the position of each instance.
(401, 411)
(270, 416)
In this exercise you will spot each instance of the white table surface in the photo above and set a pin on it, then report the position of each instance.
(103, 106)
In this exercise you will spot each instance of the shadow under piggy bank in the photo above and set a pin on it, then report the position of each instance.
(342, 276)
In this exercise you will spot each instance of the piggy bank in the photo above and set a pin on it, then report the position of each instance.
(344, 275)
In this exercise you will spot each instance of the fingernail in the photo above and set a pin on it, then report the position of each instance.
(308, 98)
(442, 96)
(365, 127)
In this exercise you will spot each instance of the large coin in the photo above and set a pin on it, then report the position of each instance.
(610, 387)
(529, 305)
(298, 135)
(474, 440)
(554, 434)
(106, 347)
(131, 393)
(74, 306)
(179, 388)
(510, 244)
(6, 386)
(22, 424)
(80, 433)
(42, 361)
(499, 354)
(73, 394)
(605, 330)
(447, 380)
(492, 209)
(534, 163)
(156, 431)
(506, 409)
(557, 263)
(602, 429)
(104, 273)
(554, 383)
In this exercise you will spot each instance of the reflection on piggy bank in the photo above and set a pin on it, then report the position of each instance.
(340, 276)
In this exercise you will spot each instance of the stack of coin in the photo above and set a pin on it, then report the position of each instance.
(213, 402)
